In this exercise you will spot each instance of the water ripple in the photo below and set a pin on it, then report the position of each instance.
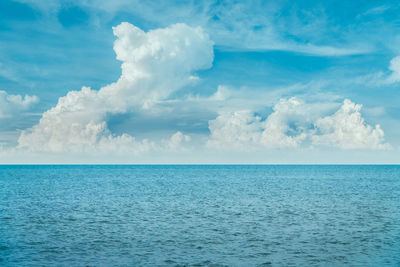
(200, 215)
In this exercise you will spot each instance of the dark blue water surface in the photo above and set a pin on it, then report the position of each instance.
(199, 215)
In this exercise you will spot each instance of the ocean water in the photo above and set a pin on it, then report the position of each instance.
(199, 215)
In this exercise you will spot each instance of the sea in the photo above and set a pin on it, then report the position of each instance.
(200, 215)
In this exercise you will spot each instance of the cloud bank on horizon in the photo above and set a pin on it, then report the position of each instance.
(162, 103)
(159, 62)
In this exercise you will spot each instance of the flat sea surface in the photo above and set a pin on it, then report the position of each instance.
(199, 215)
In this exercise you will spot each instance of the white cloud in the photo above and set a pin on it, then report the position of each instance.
(235, 130)
(287, 125)
(8, 73)
(76, 137)
(12, 104)
(176, 141)
(347, 129)
(284, 127)
(221, 94)
(294, 123)
(254, 25)
(394, 67)
(382, 77)
(154, 64)
(375, 11)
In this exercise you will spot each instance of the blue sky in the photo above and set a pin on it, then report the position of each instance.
(201, 82)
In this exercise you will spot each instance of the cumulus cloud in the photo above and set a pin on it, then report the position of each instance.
(347, 129)
(394, 67)
(176, 140)
(235, 130)
(221, 94)
(12, 104)
(77, 137)
(294, 123)
(284, 127)
(97, 138)
(154, 64)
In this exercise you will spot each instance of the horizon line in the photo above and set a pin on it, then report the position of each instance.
(201, 164)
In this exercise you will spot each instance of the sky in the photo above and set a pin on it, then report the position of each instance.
(199, 82)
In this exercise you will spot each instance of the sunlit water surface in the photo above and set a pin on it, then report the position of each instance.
(199, 215)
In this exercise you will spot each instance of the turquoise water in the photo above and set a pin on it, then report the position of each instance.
(200, 215)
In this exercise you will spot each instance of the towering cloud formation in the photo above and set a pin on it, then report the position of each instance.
(160, 62)
(293, 123)
(154, 64)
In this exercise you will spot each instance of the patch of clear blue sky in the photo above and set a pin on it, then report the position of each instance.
(50, 51)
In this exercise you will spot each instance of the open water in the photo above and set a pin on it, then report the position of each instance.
(199, 215)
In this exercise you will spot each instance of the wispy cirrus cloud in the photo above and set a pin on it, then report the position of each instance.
(254, 25)
(383, 77)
